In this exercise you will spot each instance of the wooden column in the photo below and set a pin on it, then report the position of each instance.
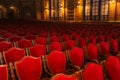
(38, 12)
(118, 11)
(112, 11)
(79, 10)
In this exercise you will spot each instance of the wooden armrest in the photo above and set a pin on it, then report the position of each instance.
(76, 67)
(94, 60)
(49, 73)
(13, 77)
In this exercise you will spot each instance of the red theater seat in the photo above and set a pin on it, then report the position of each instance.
(4, 46)
(64, 77)
(55, 46)
(30, 37)
(2, 39)
(29, 68)
(92, 39)
(82, 42)
(76, 56)
(100, 38)
(104, 48)
(114, 46)
(65, 37)
(24, 43)
(15, 38)
(41, 41)
(92, 52)
(75, 36)
(3, 72)
(13, 55)
(113, 68)
(38, 50)
(69, 44)
(56, 62)
(93, 72)
(54, 39)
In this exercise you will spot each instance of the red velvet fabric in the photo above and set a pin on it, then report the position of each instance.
(3, 72)
(93, 72)
(54, 39)
(24, 43)
(75, 36)
(41, 41)
(108, 37)
(29, 68)
(92, 39)
(113, 67)
(2, 39)
(4, 46)
(30, 37)
(104, 48)
(53, 33)
(13, 55)
(15, 38)
(43, 34)
(92, 51)
(8, 35)
(101, 38)
(65, 37)
(69, 44)
(82, 42)
(56, 46)
(64, 77)
(56, 62)
(77, 56)
(38, 50)
(114, 45)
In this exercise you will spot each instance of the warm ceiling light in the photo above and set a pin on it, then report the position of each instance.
(112, 1)
(11, 7)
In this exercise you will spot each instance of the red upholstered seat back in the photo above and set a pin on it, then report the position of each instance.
(69, 44)
(113, 67)
(114, 45)
(107, 37)
(77, 56)
(4, 46)
(82, 42)
(43, 34)
(3, 72)
(101, 38)
(64, 77)
(93, 72)
(30, 37)
(41, 41)
(24, 43)
(56, 62)
(104, 48)
(38, 50)
(92, 39)
(8, 35)
(54, 39)
(15, 38)
(92, 51)
(29, 68)
(13, 55)
(75, 36)
(2, 39)
(56, 46)
(65, 37)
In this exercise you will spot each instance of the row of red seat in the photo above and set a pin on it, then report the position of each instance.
(61, 44)
(31, 68)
